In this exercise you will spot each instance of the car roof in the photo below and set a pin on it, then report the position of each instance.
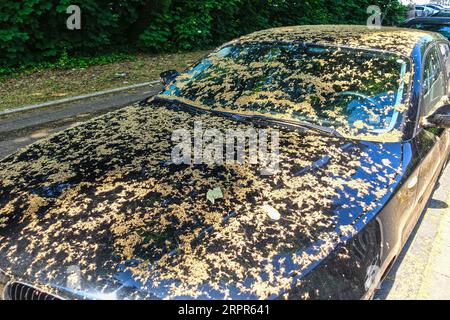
(396, 40)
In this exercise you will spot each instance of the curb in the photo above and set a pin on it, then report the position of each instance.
(77, 98)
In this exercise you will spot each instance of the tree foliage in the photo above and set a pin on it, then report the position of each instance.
(35, 30)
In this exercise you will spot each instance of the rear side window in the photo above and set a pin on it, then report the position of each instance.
(433, 81)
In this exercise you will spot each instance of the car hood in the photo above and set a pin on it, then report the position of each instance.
(100, 210)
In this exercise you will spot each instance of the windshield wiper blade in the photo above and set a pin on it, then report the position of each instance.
(295, 124)
(290, 124)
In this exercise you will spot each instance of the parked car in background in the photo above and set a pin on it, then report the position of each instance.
(437, 7)
(424, 11)
(101, 210)
(435, 24)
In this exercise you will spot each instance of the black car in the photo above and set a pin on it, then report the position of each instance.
(439, 23)
(102, 211)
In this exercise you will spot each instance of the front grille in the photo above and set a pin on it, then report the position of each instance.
(21, 291)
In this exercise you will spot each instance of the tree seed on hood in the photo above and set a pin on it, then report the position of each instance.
(272, 212)
(214, 194)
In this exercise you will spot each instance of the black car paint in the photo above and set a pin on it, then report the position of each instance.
(423, 155)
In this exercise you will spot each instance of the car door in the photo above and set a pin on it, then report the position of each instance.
(431, 142)
(445, 53)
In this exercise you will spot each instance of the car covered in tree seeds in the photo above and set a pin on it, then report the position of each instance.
(100, 211)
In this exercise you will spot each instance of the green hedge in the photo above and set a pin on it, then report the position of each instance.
(34, 31)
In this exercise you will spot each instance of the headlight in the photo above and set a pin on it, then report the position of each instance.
(4, 279)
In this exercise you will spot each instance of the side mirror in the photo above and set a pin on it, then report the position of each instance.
(440, 118)
(168, 76)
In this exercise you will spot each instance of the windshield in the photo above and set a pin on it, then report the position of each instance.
(358, 93)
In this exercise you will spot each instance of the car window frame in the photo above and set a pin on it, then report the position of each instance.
(418, 128)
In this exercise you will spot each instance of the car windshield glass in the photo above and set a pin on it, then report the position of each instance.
(359, 93)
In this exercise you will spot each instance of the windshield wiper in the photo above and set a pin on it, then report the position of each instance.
(289, 124)
(295, 124)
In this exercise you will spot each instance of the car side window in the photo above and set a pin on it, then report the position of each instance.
(433, 81)
(445, 51)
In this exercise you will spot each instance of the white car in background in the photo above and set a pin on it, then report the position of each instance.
(425, 11)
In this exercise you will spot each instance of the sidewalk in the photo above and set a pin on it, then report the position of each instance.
(436, 284)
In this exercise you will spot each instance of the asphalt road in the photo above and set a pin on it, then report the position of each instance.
(20, 129)
(421, 272)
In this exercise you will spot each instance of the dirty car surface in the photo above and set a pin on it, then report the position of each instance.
(101, 212)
